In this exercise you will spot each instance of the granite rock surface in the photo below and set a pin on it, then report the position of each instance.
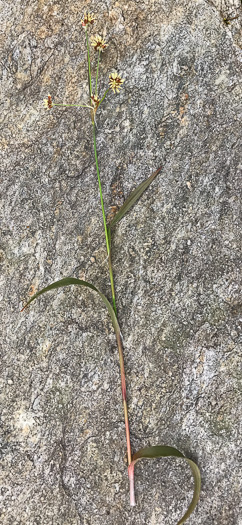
(176, 262)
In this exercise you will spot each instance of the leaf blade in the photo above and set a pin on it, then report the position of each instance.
(165, 451)
(68, 281)
(133, 198)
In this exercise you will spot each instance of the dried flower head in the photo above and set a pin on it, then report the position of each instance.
(48, 104)
(115, 82)
(95, 102)
(88, 19)
(98, 43)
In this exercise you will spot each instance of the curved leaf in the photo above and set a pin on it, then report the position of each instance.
(133, 197)
(161, 451)
(67, 281)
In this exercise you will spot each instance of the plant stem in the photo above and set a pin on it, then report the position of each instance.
(126, 419)
(73, 105)
(118, 334)
(106, 92)
(131, 484)
(104, 220)
(89, 67)
(123, 386)
(99, 181)
(99, 52)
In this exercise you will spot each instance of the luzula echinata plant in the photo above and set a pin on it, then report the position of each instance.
(95, 100)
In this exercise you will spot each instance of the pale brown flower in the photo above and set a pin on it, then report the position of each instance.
(95, 102)
(88, 19)
(115, 82)
(98, 43)
(48, 104)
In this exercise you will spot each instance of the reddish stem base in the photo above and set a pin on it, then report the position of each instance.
(131, 484)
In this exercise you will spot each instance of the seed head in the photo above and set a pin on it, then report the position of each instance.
(88, 19)
(115, 82)
(48, 104)
(98, 43)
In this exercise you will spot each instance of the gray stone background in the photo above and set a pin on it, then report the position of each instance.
(175, 259)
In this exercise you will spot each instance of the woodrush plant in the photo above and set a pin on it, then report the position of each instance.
(115, 84)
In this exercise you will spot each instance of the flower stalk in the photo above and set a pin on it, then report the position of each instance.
(106, 92)
(89, 72)
(99, 179)
(72, 105)
(99, 52)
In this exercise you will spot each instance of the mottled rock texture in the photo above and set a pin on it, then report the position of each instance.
(175, 258)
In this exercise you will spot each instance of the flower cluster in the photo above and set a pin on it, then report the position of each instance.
(95, 102)
(88, 19)
(115, 82)
(48, 104)
(98, 43)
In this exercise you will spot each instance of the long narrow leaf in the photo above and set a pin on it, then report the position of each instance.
(161, 451)
(67, 281)
(133, 197)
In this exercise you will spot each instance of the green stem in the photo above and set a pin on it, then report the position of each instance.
(89, 67)
(106, 92)
(104, 220)
(72, 105)
(99, 182)
(99, 53)
(108, 244)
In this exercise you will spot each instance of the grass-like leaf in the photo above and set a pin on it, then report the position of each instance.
(133, 198)
(161, 451)
(67, 281)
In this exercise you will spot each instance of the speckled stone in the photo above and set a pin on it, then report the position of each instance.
(175, 258)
